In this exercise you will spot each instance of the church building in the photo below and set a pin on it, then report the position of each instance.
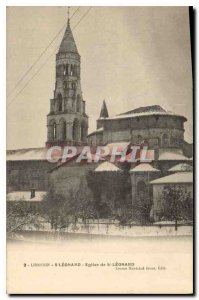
(67, 124)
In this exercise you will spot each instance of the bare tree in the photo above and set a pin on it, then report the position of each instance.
(60, 210)
(18, 216)
(177, 204)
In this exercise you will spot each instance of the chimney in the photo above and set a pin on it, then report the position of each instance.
(32, 193)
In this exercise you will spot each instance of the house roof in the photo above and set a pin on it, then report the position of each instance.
(27, 154)
(146, 111)
(25, 196)
(172, 155)
(144, 167)
(181, 168)
(107, 167)
(180, 177)
(99, 130)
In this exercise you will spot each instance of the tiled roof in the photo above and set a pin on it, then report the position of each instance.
(107, 167)
(169, 155)
(143, 167)
(27, 154)
(181, 177)
(99, 130)
(145, 111)
(181, 168)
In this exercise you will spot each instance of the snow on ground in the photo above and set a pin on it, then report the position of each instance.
(114, 229)
(25, 196)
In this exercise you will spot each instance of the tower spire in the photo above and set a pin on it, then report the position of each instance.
(67, 121)
(68, 22)
(104, 111)
(68, 42)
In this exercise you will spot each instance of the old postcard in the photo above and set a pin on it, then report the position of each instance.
(99, 150)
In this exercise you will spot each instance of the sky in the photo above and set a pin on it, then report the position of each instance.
(130, 56)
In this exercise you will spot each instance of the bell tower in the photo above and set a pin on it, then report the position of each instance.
(67, 122)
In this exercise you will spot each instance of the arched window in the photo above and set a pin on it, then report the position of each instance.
(73, 85)
(76, 130)
(62, 129)
(52, 133)
(74, 70)
(83, 131)
(67, 69)
(71, 70)
(59, 103)
(165, 140)
(78, 103)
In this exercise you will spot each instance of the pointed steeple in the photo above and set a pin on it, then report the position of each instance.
(104, 111)
(68, 42)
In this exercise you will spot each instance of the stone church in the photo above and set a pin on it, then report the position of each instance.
(67, 124)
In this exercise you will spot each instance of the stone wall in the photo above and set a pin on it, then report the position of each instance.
(145, 177)
(22, 175)
(164, 132)
(69, 177)
(95, 138)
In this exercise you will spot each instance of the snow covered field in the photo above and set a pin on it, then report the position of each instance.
(114, 229)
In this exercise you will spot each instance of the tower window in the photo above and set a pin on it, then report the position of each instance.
(59, 103)
(67, 68)
(73, 85)
(83, 131)
(76, 130)
(62, 129)
(74, 70)
(78, 103)
(54, 131)
(71, 70)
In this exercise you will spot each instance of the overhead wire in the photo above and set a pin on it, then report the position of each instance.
(46, 60)
(39, 57)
